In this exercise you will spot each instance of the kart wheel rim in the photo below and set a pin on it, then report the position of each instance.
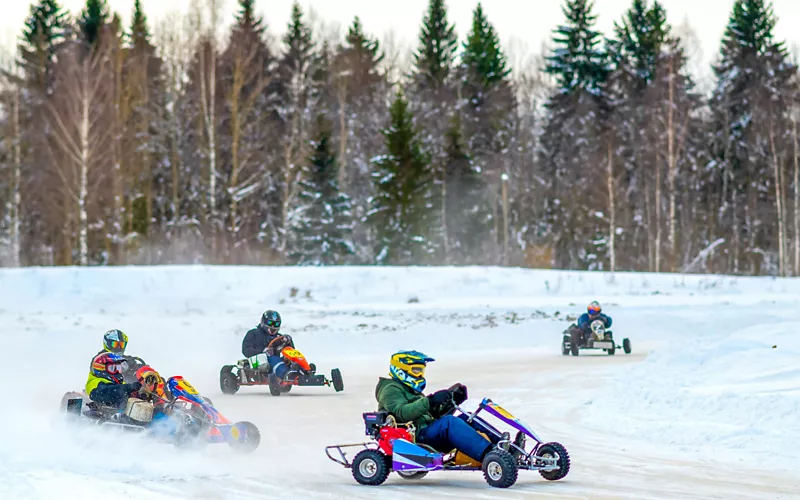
(495, 471)
(368, 467)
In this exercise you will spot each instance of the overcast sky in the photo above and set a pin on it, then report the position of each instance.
(521, 22)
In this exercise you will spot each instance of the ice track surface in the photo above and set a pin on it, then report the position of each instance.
(705, 407)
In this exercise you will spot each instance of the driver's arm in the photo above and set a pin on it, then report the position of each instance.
(607, 321)
(392, 399)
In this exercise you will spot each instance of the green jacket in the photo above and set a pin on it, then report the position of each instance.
(403, 403)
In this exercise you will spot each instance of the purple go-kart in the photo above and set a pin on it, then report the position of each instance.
(393, 449)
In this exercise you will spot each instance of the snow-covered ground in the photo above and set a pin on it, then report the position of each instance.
(707, 406)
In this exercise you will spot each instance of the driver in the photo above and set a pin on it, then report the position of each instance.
(401, 395)
(263, 344)
(593, 313)
(115, 341)
(105, 385)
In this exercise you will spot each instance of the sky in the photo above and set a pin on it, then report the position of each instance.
(523, 24)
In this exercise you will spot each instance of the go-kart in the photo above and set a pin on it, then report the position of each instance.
(573, 340)
(185, 419)
(300, 373)
(393, 449)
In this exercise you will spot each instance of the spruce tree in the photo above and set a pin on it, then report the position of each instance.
(488, 99)
(322, 223)
(402, 214)
(750, 106)
(92, 19)
(140, 33)
(467, 211)
(44, 31)
(573, 152)
(436, 53)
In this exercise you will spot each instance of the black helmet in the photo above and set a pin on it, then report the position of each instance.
(270, 322)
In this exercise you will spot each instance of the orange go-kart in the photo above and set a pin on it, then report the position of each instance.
(300, 373)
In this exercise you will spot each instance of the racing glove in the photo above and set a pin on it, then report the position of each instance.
(439, 398)
(459, 393)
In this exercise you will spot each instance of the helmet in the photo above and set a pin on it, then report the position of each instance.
(109, 366)
(115, 341)
(594, 308)
(270, 322)
(409, 368)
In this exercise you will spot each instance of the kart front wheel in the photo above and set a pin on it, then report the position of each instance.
(612, 350)
(500, 469)
(274, 385)
(336, 379)
(626, 346)
(564, 348)
(228, 382)
(370, 467)
(575, 342)
(412, 476)
(554, 450)
(245, 437)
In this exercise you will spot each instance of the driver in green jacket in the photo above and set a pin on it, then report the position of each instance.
(401, 395)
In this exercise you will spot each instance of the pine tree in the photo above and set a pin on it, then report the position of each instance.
(92, 19)
(322, 223)
(750, 107)
(436, 53)
(573, 153)
(402, 214)
(139, 34)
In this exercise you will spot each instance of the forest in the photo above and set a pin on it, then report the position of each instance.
(198, 139)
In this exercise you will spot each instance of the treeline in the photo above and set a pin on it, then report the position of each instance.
(124, 146)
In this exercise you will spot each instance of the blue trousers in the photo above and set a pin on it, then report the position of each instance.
(279, 368)
(450, 432)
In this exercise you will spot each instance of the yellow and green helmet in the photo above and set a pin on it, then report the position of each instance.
(408, 367)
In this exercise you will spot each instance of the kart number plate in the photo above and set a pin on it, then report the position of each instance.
(604, 345)
(292, 353)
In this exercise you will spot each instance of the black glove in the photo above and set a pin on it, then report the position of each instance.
(133, 387)
(439, 398)
(459, 393)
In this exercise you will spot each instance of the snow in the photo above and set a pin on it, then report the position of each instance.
(705, 406)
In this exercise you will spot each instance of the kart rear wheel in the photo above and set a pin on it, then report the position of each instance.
(626, 346)
(247, 437)
(370, 467)
(274, 385)
(553, 450)
(336, 378)
(612, 350)
(500, 469)
(564, 348)
(412, 476)
(228, 382)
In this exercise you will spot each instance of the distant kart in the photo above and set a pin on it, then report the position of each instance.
(300, 373)
(185, 420)
(599, 338)
(393, 449)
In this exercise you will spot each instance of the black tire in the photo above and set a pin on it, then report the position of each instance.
(228, 382)
(274, 385)
(500, 469)
(312, 368)
(412, 476)
(626, 346)
(564, 348)
(250, 438)
(336, 378)
(370, 467)
(575, 342)
(555, 450)
(612, 350)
